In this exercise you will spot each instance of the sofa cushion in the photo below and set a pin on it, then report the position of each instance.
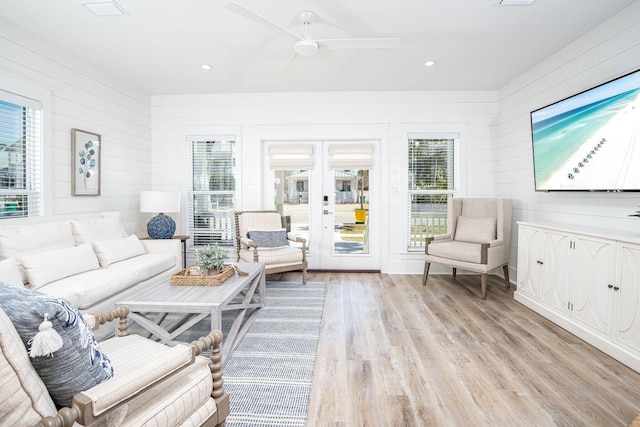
(460, 251)
(19, 240)
(79, 364)
(146, 266)
(9, 272)
(47, 267)
(114, 250)
(86, 289)
(107, 227)
(269, 238)
(24, 397)
(475, 230)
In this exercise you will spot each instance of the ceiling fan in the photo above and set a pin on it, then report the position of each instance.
(306, 45)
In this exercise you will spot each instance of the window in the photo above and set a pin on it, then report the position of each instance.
(432, 181)
(212, 192)
(20, 148)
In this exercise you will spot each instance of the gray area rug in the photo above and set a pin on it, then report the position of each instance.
(269, 375)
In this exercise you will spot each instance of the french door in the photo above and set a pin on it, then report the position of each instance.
(328, 192)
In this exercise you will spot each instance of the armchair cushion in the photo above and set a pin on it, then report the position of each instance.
(135, 369)
(456, 250)
(79, 364)
(47, 267)
(275, 257)
(269, 238)
(476, 230)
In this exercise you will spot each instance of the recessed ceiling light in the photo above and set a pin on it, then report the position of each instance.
(514, 3)
(105, 8)
(430, 63)
(206, 67)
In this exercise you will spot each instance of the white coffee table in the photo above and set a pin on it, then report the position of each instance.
(244, 295)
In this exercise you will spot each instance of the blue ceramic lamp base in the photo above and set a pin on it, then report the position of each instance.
(161, 226)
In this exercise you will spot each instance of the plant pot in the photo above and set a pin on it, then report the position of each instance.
(361, 216)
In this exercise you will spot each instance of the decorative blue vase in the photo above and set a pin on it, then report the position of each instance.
(161, 226)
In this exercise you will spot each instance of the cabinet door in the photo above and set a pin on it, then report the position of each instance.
(554, 281)
(528, 261)
(592, 275)
(627, 297)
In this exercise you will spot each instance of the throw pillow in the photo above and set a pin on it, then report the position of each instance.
(54, 265)
(105, 228)
(110, 251)
(9, 272)
(79, 364)
(269, 238)
(475, 230)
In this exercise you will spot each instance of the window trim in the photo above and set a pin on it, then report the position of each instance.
(43, 96)
(429, 131)
(189, 138)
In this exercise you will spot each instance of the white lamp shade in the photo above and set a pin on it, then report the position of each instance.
(159, 201)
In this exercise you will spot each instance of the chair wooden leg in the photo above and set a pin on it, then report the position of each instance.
(304, 276)
(454, 272)
(483, 281)
(425, 274)
(505, 269)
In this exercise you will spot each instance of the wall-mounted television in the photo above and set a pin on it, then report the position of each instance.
(590, 141)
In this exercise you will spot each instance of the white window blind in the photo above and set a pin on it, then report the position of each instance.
(433, 179)
(350, 156)
(290, 156)
(212, 191)
(20, 156)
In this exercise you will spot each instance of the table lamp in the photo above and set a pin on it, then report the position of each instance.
(160, 226)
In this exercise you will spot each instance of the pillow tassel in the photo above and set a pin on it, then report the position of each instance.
(45, 342)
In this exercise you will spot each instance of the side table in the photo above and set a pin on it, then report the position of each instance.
(183, 239)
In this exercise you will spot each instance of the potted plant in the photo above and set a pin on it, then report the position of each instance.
(211, 259)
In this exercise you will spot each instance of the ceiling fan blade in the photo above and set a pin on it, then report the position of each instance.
(371, 43)
(293, 58)
(241, 10)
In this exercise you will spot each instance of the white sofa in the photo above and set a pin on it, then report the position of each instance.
(90, 261)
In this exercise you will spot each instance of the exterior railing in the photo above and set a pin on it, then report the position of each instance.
(425, 224)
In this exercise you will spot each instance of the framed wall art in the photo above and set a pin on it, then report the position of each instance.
(85, 163)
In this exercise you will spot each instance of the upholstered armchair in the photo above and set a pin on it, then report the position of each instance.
(152, 384)
(261, 237)
(477, 239)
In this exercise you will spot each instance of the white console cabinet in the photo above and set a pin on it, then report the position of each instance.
(587, 281)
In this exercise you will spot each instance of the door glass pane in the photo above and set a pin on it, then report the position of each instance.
(351, 212)
(292, 200)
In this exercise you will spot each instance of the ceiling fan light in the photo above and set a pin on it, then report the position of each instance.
(306, 47)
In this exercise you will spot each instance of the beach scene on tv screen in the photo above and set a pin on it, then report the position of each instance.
(590, 141)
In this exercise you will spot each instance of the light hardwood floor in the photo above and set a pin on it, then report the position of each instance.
(395, 353)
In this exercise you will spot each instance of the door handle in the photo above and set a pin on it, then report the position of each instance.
(326, 212)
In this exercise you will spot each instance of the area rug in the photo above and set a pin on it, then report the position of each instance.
(269, 375)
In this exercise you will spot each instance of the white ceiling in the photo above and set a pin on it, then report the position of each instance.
(159, 45)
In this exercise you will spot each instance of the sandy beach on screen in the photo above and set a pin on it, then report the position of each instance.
(614, 165)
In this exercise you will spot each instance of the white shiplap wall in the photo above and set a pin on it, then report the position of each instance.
(81, 96)
(387, 115)
(610, 50)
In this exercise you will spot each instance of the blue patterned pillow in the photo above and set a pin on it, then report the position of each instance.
(269, 238)
(79, 364)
